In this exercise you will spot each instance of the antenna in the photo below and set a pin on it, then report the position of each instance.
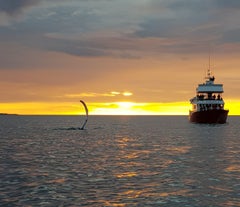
(209, 61)
(209, 72)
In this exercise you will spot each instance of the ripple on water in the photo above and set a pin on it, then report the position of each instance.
(118, 161)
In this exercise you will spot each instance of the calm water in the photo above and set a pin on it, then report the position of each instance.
(118, 161)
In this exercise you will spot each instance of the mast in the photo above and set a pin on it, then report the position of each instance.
(209, 77)
(209, 71)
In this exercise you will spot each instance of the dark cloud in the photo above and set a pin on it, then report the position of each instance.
(196, 20)
(197, 5)
(88, 29)
(187, 5)
(160, 28)
(176, 18)
(12, 7)
(231, 36)
(227, 4)
(58, 20)
(89, 47)
(76, 48)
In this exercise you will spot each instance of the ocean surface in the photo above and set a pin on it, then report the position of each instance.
(118, 161)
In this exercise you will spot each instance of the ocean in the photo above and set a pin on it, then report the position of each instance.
(118, 161)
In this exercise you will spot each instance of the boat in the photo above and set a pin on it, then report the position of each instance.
(208, 104)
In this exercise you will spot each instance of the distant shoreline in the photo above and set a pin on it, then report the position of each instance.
(6, 114)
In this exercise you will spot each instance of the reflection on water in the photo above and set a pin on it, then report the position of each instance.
(118, 161)
(233, 168)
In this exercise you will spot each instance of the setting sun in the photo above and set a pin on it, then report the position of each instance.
(112, 108)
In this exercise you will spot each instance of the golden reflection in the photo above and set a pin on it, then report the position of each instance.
(60, 180)
(123, 141)
(132, 193)
(183, 192)
(126, 175)
(220, 189)
(131, 156)
(233, 168)
(231, 203)
(114, 204)
(166, 163)
(134, 155)
(174, 193)
(179, 149)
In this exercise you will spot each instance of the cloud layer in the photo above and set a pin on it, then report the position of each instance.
(121, 29)
(97, 46)
(15, 6)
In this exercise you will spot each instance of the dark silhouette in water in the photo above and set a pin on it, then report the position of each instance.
(86, 110)
(85, 121)
(75, 128)
(70, 128)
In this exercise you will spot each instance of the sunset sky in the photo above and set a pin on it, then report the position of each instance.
(119, 56)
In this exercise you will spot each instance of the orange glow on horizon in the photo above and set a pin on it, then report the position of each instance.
(112, 108)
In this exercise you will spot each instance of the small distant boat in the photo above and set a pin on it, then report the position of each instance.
(208, 104)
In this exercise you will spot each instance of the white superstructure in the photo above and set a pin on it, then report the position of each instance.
(208, 95)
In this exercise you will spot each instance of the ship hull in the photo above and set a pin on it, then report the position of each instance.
(209, 117)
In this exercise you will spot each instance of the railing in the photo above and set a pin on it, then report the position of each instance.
(209, 101)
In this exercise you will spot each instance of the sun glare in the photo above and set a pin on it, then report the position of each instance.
(117, 108)
(233, 106)
(133, 108)
(111, 108)
(125, 105)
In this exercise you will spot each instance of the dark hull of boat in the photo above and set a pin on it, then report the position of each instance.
(209, 117)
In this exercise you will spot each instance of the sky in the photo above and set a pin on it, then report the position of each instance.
(119, 56)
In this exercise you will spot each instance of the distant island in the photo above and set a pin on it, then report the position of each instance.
(4, 114)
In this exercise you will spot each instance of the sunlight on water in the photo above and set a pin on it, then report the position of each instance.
(118, 161)
(126, 174)
(233, 168)
(179, 150)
